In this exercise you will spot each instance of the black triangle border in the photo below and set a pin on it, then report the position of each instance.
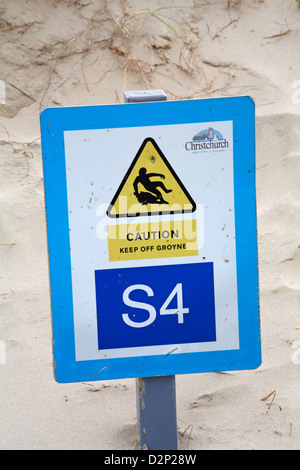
(184, 211)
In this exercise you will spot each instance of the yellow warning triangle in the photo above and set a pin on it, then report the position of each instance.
(150, 187)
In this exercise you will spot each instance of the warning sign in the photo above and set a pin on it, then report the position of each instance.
(150, 187)
(135, 294)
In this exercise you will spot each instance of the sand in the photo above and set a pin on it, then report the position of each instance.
(87, 52)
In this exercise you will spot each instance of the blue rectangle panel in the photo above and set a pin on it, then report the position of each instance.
(130, 301)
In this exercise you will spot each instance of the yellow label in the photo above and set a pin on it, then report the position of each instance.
(150, 187)
(164, 239)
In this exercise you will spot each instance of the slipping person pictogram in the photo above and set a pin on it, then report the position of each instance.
(143, 192)
(152, 195)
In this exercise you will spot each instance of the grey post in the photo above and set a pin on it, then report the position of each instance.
(143, 96)
(155, 396)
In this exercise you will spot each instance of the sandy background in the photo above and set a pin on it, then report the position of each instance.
(86, 52)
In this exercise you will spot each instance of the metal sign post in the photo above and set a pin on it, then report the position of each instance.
(155, 396)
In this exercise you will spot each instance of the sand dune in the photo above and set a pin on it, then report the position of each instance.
(87, 52)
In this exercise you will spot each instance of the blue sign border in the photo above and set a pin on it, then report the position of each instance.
(54, 121)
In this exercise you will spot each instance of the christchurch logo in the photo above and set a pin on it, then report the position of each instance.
(207, 139)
